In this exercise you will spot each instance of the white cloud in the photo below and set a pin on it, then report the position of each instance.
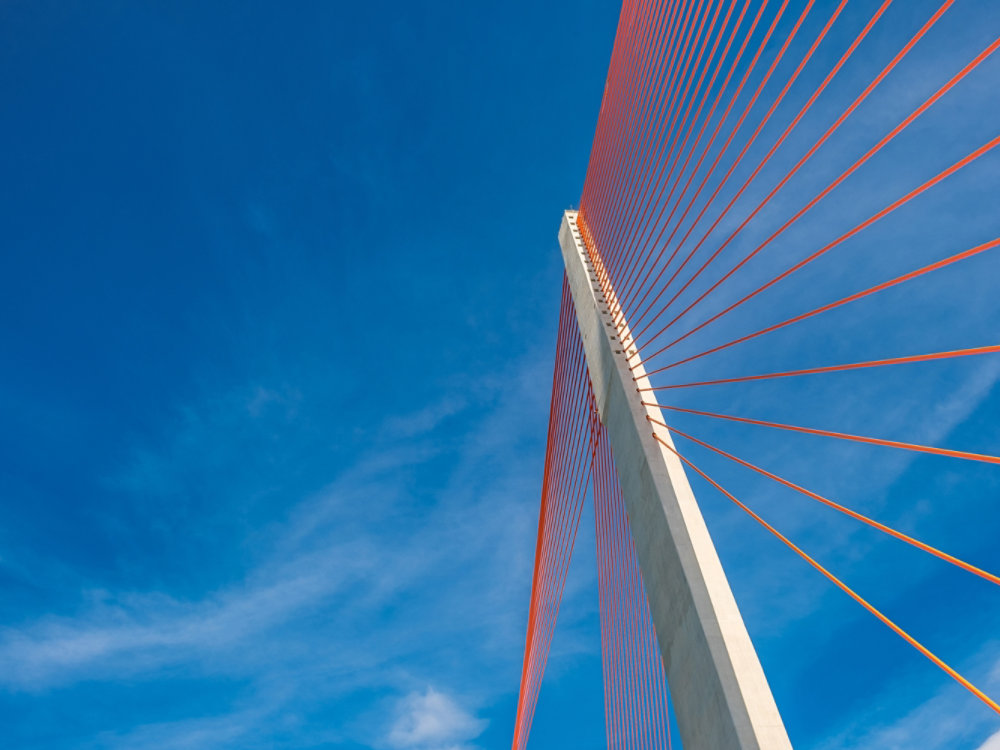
(992, 742)
(423, 420)
(186, 734)
(137, 632)
(950, 719)
(315, 615)
(430, 720)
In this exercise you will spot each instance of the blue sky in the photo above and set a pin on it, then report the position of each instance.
(277, 311)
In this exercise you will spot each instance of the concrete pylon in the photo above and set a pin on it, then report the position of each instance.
(720, 695)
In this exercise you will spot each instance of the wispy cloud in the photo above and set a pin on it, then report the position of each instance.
(187, 734)
(992, 742)
(943, 722)
(359, 587)
(430, 720)
(132, 633)
(423, 420)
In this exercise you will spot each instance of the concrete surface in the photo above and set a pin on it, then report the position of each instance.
(721, 697)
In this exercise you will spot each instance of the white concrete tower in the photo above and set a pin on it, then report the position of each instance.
(720, 695)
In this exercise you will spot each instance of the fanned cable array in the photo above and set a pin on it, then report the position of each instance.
(636, 698)
(578, 457)
(565, 482)
(760, 168)
(675, 206)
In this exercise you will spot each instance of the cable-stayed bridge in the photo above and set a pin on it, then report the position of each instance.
(759, 168)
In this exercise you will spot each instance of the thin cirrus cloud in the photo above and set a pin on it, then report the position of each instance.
(942, 721)
(339, 601)
(993, 743)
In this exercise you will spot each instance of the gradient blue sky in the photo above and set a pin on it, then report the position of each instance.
(278, 292)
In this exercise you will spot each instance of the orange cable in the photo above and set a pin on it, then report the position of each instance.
(992, 349)
(844, 587)
(985, 458)
(968, 567)
(991, 245)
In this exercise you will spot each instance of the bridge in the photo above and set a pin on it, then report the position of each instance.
(740, 146)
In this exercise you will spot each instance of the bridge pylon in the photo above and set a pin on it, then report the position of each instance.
(721, 698)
